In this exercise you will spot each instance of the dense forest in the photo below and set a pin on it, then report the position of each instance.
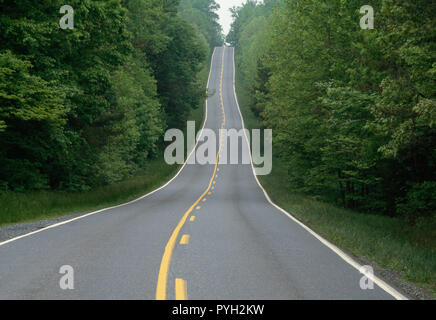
(202, 14)
(352, 110)
(88, 106)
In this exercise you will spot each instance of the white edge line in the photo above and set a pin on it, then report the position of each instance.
(382, 284)
(132, 201)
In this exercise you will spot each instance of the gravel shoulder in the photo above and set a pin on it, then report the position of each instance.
(15, 230)
(393, 278)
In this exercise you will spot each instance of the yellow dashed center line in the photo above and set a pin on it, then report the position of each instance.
(180, 289)
(161, 287)
(184, 239)
(192, 218)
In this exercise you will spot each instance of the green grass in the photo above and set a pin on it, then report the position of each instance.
(16, 207)
(30, 206)
(389, 242)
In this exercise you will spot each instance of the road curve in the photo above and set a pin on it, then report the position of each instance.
(210, 233)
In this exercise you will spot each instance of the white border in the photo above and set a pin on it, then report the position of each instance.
(382, 284)
(132, 201)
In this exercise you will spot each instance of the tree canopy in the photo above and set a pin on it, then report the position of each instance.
(352, 110)
(88, 106)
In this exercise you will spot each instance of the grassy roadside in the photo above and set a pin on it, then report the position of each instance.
(30, 206)
(37, 205)
(409, 251)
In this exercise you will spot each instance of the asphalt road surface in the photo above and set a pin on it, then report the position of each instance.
(210, 233)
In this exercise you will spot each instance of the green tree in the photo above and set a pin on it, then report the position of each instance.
(202, 14)
(352, 110)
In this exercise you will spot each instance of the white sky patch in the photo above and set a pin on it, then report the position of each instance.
(224, 12)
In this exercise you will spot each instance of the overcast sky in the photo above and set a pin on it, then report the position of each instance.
(224, 13)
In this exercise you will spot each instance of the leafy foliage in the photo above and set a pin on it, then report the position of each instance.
(87, 107)
(352, 110)
(202, 14)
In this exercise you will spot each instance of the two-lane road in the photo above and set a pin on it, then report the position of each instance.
(210, 233)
